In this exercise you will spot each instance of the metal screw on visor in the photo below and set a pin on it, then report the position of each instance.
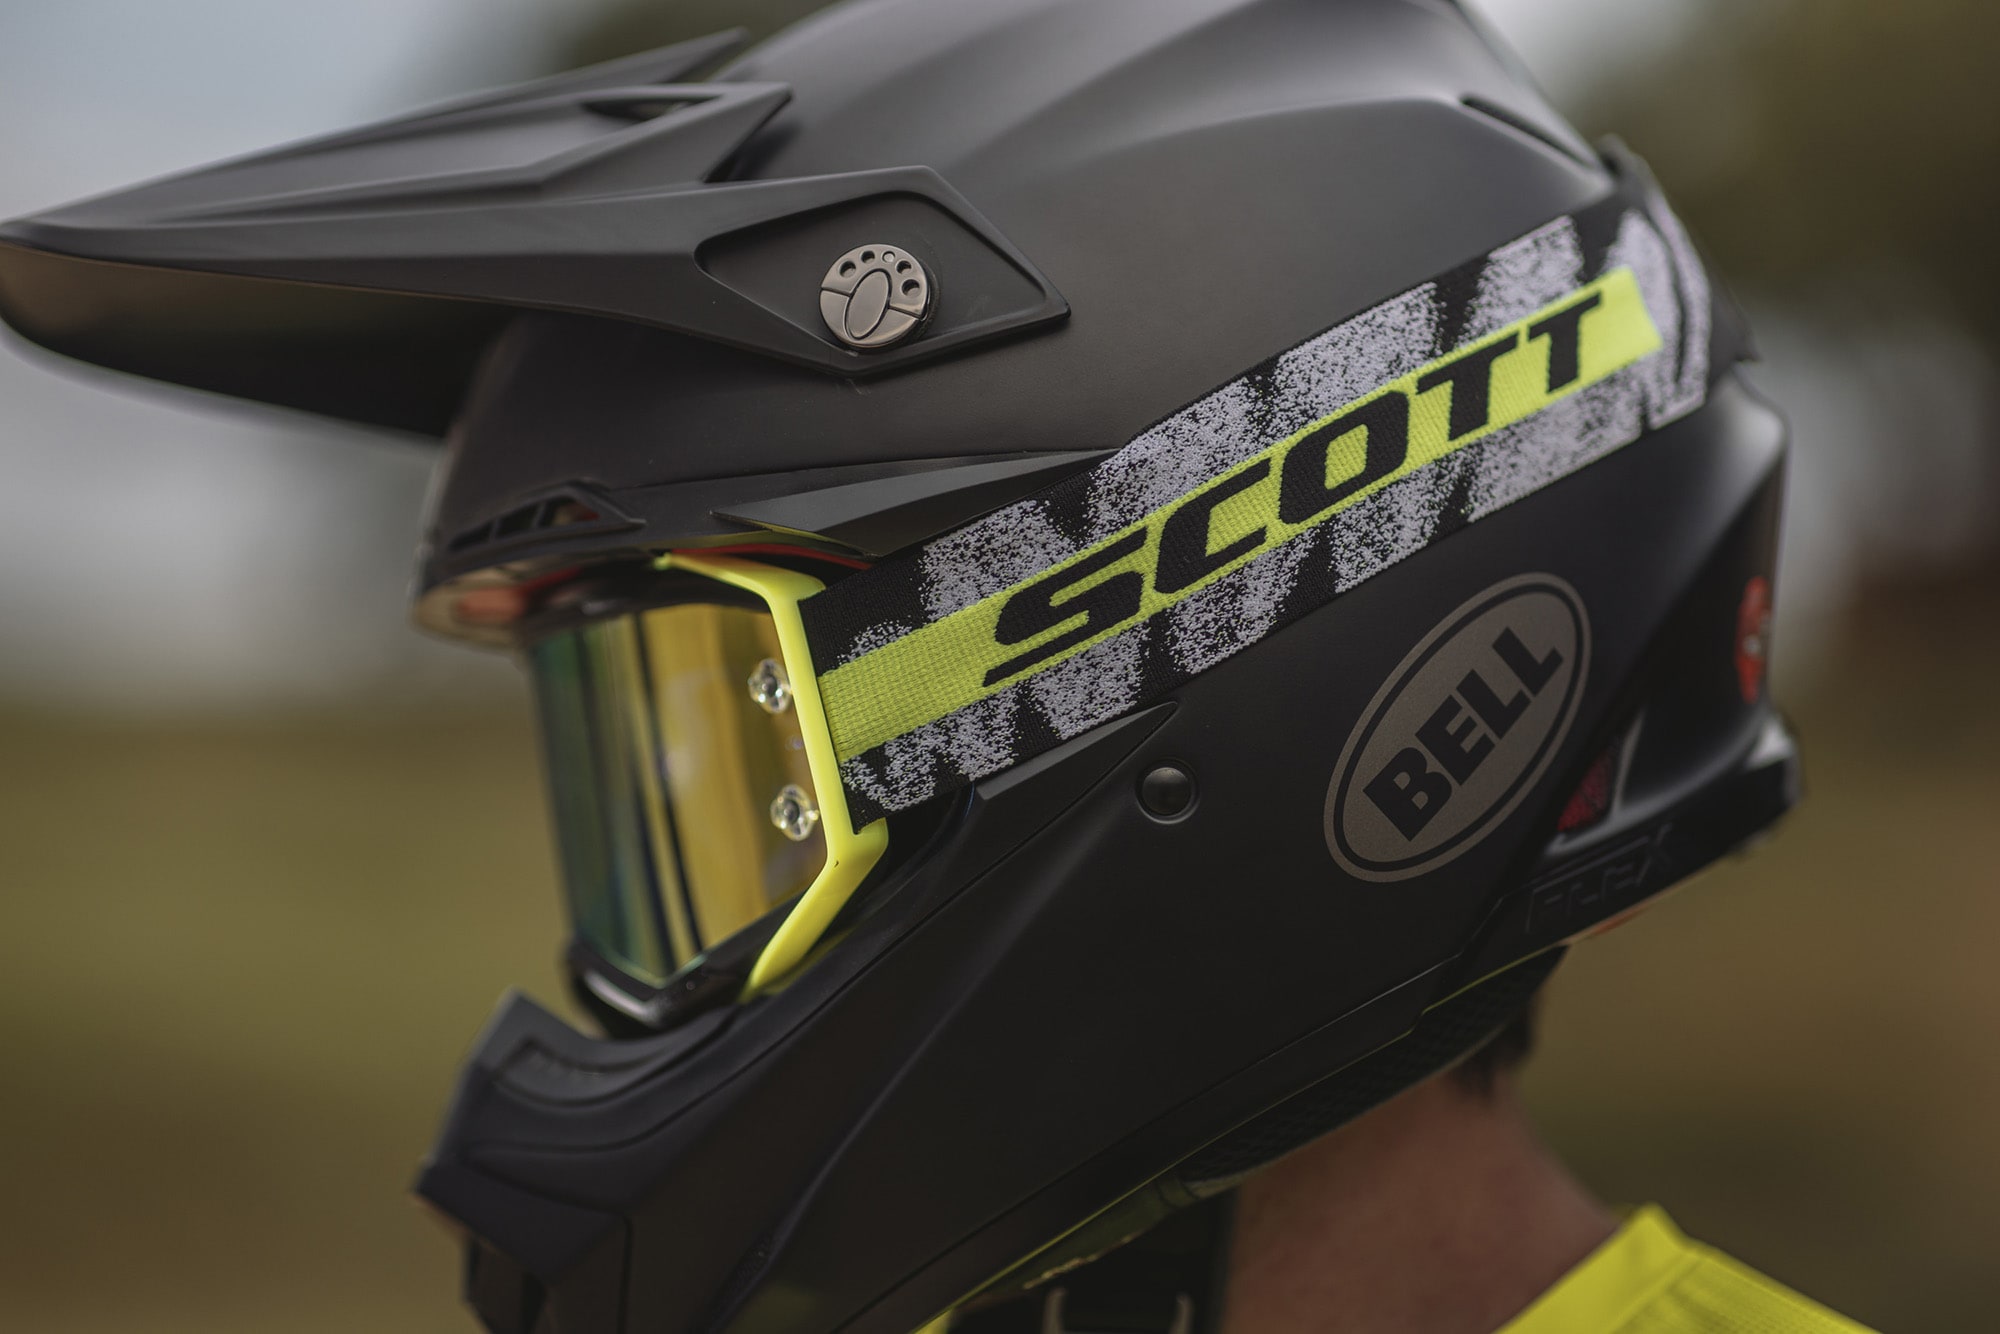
(795, 813)
(875, 296)
(770, 687)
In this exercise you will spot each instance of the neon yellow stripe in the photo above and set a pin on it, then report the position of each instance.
(942, 667)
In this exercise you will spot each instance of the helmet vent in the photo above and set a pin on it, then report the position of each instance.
(569, 508)
(638, 107)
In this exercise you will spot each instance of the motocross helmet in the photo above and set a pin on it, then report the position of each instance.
(1106, 584)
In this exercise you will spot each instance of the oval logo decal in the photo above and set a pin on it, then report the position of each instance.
(1460, 731)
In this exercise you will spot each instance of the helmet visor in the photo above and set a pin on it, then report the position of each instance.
(684, 798)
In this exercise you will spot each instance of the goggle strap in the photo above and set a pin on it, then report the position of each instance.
(1264, 500)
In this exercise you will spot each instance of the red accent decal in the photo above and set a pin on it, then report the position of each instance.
(1592, 798)
(1753, 638)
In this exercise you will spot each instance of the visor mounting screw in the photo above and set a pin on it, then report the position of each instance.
(1167, 793)
(770, 687)
(795, 813)
(875, 296)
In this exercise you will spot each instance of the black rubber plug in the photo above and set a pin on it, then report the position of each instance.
(1167, 792)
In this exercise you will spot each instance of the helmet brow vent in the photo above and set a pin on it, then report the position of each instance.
(637, 107)
(574, 511)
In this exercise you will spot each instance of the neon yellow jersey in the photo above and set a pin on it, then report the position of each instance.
(1650, 1279)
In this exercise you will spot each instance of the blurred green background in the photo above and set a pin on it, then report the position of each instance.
(269, 860)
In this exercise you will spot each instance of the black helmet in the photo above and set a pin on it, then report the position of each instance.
(1107, 583)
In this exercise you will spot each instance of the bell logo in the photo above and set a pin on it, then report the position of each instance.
(1457, 736)
(1407, 789)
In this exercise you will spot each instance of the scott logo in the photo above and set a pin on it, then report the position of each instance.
(1460, 731)
(1306, 477)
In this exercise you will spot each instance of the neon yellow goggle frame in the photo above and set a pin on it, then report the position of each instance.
(850, 853)
(693, 777)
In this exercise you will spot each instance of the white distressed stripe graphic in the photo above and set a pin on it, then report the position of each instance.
(1240, 419)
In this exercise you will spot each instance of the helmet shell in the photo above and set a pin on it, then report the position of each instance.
(1203, 182)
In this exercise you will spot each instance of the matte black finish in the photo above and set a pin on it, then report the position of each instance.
(879, 517)
(1084, 995)
(1205, 183)
(1208, 180)
(580, 197)
(1065, 997)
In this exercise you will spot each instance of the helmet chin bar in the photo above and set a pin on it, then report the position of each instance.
(528, 1053)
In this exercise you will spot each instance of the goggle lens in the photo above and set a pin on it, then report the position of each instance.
(685, 806)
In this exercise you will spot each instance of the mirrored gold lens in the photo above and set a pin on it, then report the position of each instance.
(729, 755)
(684, 803)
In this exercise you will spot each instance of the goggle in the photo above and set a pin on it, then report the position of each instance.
(693, 779)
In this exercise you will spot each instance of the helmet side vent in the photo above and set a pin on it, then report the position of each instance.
(570, 511)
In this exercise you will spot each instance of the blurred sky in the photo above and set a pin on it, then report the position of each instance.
(160, 552)
(155, 552)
